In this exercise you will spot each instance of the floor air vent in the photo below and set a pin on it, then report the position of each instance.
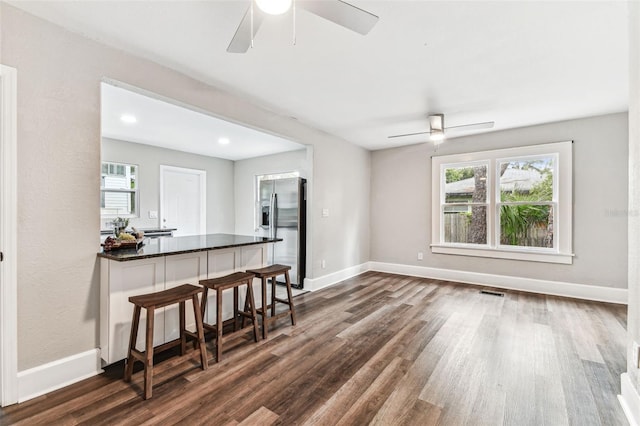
(492, 293)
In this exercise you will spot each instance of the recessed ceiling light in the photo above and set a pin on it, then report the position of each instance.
(223, 141)
(128, 118)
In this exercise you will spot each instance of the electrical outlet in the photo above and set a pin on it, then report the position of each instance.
(323, 264)
(153, 214)
(420, 255)
(325, 212)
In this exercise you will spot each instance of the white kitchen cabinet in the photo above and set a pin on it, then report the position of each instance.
(253, 257)
(118, 282)
(180, 269)
(226, 261)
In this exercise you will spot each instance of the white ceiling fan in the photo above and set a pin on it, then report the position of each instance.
(336, 11)
(437, 129)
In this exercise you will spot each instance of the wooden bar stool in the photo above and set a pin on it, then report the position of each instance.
(264, 274)
(151, 302)
(234, 281)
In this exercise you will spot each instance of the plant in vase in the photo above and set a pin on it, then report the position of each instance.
(119, 225)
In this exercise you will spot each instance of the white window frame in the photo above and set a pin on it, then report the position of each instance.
(563, 199)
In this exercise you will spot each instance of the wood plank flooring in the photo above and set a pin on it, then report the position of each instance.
(380, 349)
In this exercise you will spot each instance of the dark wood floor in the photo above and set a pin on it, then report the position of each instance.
(387, 350)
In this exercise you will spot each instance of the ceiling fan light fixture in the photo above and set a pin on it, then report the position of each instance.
(437, 136)
(128, 118)
(274, 7)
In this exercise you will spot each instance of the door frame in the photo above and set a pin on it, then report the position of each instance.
(202, 174)
(8, 237)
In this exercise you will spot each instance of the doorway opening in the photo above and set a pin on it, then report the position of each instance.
(152, 129)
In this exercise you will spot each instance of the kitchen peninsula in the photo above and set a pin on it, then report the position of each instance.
(163, 263)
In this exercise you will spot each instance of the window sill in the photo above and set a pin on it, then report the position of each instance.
(531, 256)
(104, 217)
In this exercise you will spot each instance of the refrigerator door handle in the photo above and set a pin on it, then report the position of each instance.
(273, 208)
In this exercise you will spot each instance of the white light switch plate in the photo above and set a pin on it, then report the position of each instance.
(325, 212)
(153, 214)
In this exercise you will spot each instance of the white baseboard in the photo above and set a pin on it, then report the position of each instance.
(314, 284)
(629, 400)
(556, 288)
(57, 374)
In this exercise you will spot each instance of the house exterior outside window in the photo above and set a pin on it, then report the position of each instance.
(118, 190)
(511, 203)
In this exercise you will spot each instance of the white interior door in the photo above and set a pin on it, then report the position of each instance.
(183, 200)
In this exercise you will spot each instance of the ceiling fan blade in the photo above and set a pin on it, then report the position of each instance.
(241, 40)
(474, 126)
(341, 13)
(409, 134)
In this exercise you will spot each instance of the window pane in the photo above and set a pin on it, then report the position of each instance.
(132, 201)
(117, 203)
(526, 225)
(466, 184)
(118, 176)
(526, 180)
(465, 224)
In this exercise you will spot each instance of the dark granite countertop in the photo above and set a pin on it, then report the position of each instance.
(110, 231)
(154, 247)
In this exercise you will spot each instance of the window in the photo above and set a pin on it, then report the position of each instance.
(118, 190)
(511, 203)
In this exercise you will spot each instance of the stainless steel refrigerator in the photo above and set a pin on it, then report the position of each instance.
(282, 214)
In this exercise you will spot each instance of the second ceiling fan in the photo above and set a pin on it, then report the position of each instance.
(336, 11)
(437, 129)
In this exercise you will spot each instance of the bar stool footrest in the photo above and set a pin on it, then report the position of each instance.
(279, 315)
(245, 314)
(139, 355)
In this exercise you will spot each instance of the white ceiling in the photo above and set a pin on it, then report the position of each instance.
(172, 126)
(516, 63)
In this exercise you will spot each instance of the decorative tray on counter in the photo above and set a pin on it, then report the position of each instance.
(112, 244)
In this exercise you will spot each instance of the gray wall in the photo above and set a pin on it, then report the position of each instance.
(220, 178)
(59, 75)
(401, 208)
